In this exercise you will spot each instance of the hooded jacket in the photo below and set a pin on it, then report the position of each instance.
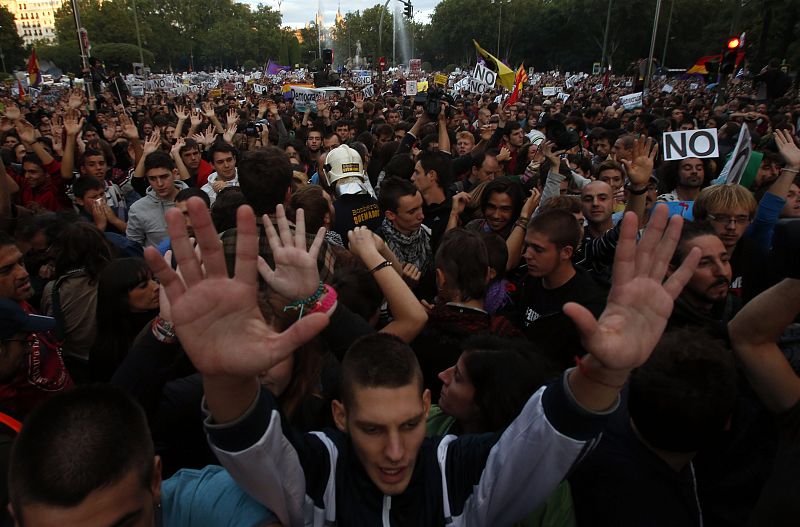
(208, 188)
(146, 223)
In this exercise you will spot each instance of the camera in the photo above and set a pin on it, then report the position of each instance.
(255, 128)
(431, 102)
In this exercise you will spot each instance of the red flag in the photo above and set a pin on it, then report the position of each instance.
(21, 95)
(519, 81)
(34, 75)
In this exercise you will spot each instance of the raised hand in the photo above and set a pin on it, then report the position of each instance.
(26, 131)
(195, 119)
(486, 132)
(531, 203)
(110, 133)
(230, 132)
(217, 318)
(129, 129)
(232, 117)
(6, 124)
(263, 106)
(504, 155)
(76, 99)
(548, 151)
(208, 110)
(12, 112)
(788, 149)
(152, 143)
(358, 101)
(73, 122)
(640, 302)
(181, 113)
(296, 275)
(176, 148)
(640, 168)
(460, 201)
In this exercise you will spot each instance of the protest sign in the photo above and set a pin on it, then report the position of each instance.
(595, 68)
(735, 167)
(629, 102)
(548, 91)
(138, 69)
(415, 65)
(137, 90)
(411, 87)
(259, 88)
(361, 77)
(667, 88)
(484, 75)
(440, 79)
(368, 91)
(598, 87)
(693, 86)
(422, 86)
(690, 143)
(562, 96)
(305, 98)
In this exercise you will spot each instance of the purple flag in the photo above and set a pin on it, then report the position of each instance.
(274, 69)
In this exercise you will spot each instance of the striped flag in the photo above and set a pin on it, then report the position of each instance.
(519, 82)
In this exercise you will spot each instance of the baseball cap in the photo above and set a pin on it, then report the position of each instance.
(536, 137)
(13, 320)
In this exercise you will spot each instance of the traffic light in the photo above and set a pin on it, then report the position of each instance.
(712, 67)
(730, 56)
(408, 10)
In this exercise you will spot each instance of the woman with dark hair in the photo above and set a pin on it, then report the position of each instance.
(80, 252)
(127, 300)
(462, 276)
(484, 391)
(299, 155)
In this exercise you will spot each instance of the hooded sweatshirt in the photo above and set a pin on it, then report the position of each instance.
(208, 188)
(146, 223)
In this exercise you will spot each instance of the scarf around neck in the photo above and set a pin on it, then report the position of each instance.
(412, 248)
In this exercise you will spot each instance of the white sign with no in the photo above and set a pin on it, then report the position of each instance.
(691, 143)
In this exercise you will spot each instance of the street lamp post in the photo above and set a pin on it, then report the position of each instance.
(666, 39)
(138, 36)
(605, 37)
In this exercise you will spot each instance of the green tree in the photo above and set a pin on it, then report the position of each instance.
(10, 41)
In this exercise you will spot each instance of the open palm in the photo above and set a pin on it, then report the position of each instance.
(217, 318)
(639, 303)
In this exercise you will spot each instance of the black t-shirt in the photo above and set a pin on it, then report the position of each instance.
(542, 319)
(436, 217)
(355, 210)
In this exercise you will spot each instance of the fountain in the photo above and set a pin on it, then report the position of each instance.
(400, 36)
(357, 58)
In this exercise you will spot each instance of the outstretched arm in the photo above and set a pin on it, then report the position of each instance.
(217, 318)
(639, 305)
(753, 335)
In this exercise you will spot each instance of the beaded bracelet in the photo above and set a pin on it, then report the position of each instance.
(790, 170)
(163, 330)
(301, 304)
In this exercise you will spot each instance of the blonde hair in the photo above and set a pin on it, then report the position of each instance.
(723, 199)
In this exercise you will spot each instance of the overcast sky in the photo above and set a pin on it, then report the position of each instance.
(297, 12)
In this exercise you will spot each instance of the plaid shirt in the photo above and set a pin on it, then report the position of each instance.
(325, 259)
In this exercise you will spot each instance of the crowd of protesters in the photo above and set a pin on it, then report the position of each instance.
(218, 310)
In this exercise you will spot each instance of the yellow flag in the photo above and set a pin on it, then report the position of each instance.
(505, 75)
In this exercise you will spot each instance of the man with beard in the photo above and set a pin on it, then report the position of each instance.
(704, 301)
(691, 176)
(40, 371)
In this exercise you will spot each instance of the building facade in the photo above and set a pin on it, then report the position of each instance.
(35, 19)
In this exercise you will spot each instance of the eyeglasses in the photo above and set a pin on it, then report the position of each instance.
(724, 219)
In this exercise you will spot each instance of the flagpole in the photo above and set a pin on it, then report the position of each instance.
(84, 51)
(652, 51)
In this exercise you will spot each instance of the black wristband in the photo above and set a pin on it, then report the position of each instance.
(385, 263)
(636, 192)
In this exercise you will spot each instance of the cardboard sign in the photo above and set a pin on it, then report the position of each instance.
(598, 87)
(701, 144)
(440, 79)
(562, 96)
(368, 91)
(138, 69)
(415, 65)
(694, 86)
(422, 86)
(628, 84)
(548, 91)
(411, 87)
(476, 86)
(137, 90)
(361, 77)
(259, 88)
(667, 88)
(483, 74)
(629, 102)
(595, 68)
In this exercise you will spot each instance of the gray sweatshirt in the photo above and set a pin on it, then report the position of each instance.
(146, 222)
